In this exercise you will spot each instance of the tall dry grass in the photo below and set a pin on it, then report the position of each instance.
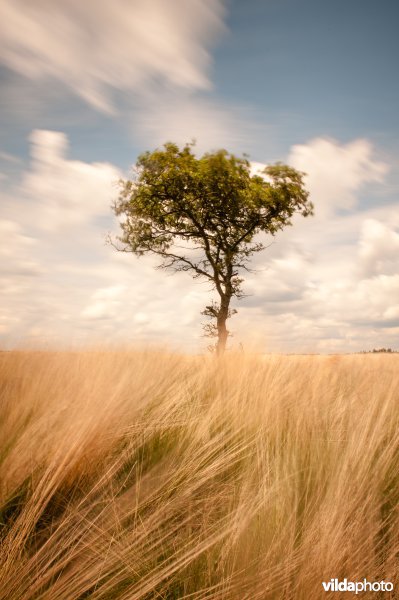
(128, 475)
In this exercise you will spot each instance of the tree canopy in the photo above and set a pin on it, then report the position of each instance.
(203, 215)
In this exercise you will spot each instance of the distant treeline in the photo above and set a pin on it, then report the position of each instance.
(379, 350)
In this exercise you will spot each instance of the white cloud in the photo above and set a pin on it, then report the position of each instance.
(82, 290)
(141, 318)
(15, 251)
(378, 248)
(336, 172)
(257, 168)
(330, 284)
(66, 192)
(127, 44)
(105, 303)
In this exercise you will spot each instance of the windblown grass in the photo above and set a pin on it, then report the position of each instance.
(141, 475)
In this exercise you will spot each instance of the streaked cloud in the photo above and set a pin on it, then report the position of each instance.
(96, 47)
(10, 158)
(146, 62)
(182, 117)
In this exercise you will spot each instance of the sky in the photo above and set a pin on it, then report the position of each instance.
(86, 87)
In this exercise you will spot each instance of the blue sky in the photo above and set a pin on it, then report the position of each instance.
(85, 88)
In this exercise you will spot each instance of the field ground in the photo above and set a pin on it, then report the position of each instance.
(147, 475)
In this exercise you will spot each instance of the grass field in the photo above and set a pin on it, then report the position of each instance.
(128, 475)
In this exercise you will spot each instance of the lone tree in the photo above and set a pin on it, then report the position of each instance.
(202, 215)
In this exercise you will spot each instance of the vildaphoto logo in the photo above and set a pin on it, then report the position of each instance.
(357, 587)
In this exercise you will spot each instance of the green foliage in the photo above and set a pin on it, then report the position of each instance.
(203, 214)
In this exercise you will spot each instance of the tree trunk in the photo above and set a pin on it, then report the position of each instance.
(223, 333)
